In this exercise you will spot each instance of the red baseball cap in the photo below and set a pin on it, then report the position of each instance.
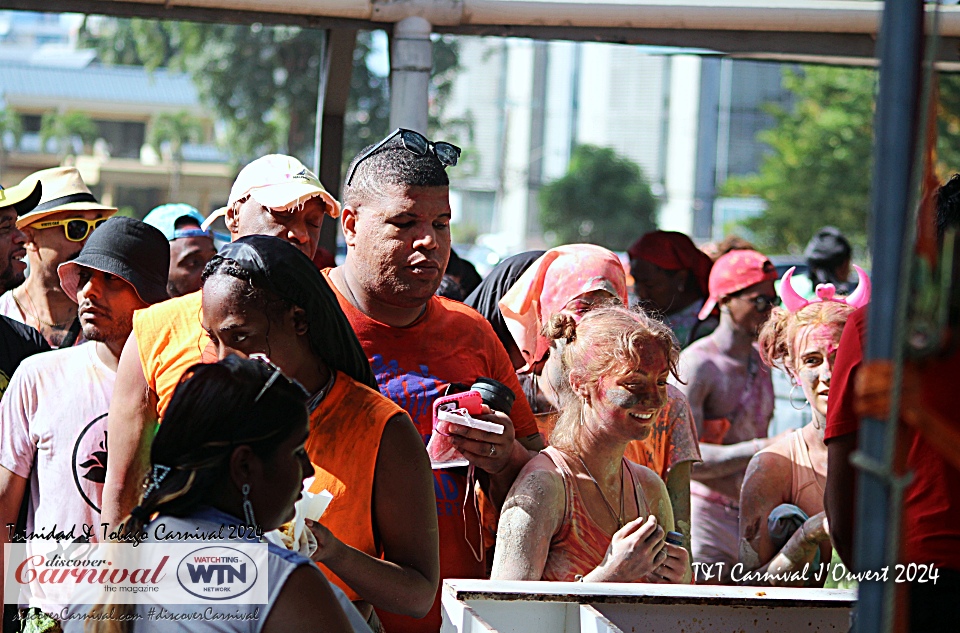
(735, 271)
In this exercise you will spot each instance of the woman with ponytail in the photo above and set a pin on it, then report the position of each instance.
(783, 527)
(231, 452)
(580, 510)
(573, 280)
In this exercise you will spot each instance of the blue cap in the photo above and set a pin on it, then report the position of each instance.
(165, 218)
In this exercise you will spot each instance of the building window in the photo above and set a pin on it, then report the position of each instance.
(125, 138)
(30, 123)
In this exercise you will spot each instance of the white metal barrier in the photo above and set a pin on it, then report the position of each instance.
(475, 606)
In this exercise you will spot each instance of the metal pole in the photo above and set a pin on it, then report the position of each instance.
(895, 131)
(411, 58)
(324, 69)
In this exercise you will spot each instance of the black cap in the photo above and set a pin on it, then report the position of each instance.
(130, 249)
(23, 198)
(828, 248)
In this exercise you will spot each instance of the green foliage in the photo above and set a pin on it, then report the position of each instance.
(262, 80)
(819, 167)
(603, 199)
(948, 125)
(10, 122)
(128, 212)
(368, 106)
(175, 130)
(63, 127)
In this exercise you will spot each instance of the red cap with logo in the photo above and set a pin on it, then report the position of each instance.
(735, 271)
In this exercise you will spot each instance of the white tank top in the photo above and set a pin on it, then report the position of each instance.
(281, 563)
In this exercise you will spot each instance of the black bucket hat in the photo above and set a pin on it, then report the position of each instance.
(130, 249)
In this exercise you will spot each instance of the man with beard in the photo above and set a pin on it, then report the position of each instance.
(55, 230)
(731, 397)
(396, 223)
(53, 418)
(17, 340)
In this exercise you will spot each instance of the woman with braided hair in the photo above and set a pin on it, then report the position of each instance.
(377, 540)
(231, 452)
(580, 510)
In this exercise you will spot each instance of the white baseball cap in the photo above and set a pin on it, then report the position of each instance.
(278, 182)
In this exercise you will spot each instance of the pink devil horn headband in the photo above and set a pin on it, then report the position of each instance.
(825, 292)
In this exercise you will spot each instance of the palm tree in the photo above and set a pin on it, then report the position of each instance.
(9, 122)
(64, 127)
(173, 131)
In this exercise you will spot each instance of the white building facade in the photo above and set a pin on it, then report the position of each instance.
(529, 103)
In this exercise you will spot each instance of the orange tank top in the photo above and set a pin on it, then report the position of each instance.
(580, 544)
(344, 440)
(170, 340)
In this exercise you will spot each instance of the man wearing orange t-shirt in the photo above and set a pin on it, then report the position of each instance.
(274, 195)
(396, 222)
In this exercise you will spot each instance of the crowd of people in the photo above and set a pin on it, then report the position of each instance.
(146, 377)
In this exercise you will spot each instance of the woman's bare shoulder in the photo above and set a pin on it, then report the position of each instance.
(539, 483)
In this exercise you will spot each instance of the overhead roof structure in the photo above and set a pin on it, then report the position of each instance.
(126, 86)
(828, 31)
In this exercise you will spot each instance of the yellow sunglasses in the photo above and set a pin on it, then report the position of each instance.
(76, 229)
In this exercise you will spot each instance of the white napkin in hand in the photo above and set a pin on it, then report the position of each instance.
(310, 506)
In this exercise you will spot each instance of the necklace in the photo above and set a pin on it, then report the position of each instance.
(618, 517)
(33, 313)
(318, 397)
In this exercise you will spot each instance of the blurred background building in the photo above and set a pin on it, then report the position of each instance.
(687, 118)
(139, 138)
(689, 121)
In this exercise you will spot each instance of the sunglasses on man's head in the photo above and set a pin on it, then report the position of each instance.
(416, 143)
(76, 229)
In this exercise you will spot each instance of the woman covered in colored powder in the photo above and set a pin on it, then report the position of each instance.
(580, 509)
(572, 280)
(784, 535)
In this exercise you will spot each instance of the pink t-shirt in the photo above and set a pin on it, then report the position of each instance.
(53, 431)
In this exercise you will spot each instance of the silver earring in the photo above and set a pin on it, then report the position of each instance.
(805, 403)
(247, 506)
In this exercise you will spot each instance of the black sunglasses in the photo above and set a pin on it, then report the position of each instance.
(762, 303)
(416, 143)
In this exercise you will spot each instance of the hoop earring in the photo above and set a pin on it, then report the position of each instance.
(247, 506)
(805, 403)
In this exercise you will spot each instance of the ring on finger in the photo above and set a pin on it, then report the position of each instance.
(493, 450)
